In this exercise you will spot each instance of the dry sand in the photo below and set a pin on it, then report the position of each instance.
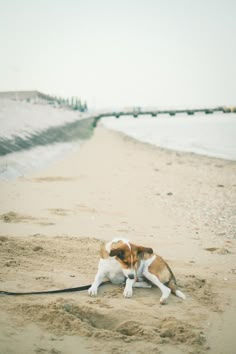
(51, 228)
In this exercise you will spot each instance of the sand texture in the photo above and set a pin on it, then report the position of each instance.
(52, 225)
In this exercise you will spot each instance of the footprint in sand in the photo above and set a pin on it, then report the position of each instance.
(54, 179)
(203, 290)
(61, 211)
(218, 250)
(13, 217)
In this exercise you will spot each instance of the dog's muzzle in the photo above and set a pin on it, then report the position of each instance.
(131, 276)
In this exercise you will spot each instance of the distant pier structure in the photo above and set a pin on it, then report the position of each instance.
(75, 103)
(136, 112)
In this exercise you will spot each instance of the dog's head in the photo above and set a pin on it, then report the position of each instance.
(129, 255)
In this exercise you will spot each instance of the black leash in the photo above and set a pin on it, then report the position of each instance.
(67, 290)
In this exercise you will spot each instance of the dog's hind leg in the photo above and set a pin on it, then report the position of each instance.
(164, 289)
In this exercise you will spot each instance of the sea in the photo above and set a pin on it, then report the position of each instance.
(32, 136)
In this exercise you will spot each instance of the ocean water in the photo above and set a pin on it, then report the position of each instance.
(211, 135)
(34, 136)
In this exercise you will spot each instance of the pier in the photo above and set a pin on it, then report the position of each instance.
(75, 104)
(136, 112)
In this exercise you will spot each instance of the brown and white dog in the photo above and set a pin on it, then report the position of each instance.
(122, 261)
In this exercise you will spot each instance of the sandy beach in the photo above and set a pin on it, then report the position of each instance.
(53, 222)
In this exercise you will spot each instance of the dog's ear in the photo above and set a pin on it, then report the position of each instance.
(141, 249)
(117, 252)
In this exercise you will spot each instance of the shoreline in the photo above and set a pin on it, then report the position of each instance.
(163, 148)
(181, 204)
(40, 134)
(211, 136)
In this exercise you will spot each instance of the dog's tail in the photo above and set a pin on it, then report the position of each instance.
(172, 284)
(180, 294)
(173, 287)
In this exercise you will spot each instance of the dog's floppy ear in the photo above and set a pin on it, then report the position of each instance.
(117, 252)
(142, 249)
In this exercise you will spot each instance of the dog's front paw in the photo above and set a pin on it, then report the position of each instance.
(93, 291)
(128, 293)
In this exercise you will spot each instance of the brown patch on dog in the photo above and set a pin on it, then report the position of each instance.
(116, 247)
(147, 251)
(160, 268)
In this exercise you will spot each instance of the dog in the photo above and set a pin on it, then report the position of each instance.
(137, 266)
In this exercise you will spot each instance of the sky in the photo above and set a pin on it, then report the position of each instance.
(121, 53)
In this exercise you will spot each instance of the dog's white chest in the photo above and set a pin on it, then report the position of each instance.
(112, 270)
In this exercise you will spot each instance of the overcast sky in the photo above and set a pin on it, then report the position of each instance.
(121, 53)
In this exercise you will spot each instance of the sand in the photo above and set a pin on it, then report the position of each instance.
(53, 222)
